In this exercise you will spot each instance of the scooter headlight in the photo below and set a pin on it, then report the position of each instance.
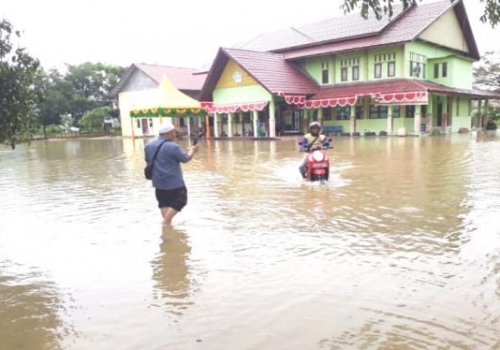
(318, 156)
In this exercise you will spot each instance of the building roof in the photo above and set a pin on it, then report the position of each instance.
(388, 86)
(183, 78)
(268, 69)
(349, 33)
(332, 29)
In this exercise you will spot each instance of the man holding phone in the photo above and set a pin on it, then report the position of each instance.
(167, 178)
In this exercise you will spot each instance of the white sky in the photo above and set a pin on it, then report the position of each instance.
(183, 33)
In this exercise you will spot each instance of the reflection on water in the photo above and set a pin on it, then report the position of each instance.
(399, 250)
(170, 271)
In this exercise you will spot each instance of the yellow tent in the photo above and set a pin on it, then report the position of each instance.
(166, 101)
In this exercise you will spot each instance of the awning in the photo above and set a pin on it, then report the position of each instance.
(293, 99)
(331, 102)
(418, 97)
(177, 112)
(212, 107)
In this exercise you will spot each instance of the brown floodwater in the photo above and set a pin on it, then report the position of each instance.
(399, 250)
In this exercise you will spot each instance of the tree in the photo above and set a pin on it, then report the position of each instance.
(56, 102)
(19, 93)
(487, 72)
(491, 13)
(94, 118)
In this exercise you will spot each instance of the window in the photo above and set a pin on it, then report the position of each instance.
(417, 65)
(436, 70)
(378, 112)
(444, 70)
(396, 111)
(391, 69)
(325, 73)
(355, 73)
(343, 74)
(410, 111)
(150, 122)
(378, 70)
(137, 123)
(360, 112)
(328, 113)
(345, 64)
(343, 113)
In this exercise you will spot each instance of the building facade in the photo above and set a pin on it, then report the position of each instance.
(410, 74)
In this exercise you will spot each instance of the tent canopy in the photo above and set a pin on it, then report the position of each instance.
(165, 101)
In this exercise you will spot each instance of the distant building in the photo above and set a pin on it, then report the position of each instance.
(146, 77)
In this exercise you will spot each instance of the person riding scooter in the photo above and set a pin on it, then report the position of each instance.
(311, 141)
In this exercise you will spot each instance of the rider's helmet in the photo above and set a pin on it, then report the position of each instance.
(315, 125)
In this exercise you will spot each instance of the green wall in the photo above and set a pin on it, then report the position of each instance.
(241, 94)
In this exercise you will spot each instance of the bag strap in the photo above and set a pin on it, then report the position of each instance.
(157, 150)
(312, 143)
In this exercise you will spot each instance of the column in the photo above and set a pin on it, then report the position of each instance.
(216, 124)
(417, 120)
(255, 115)
(230, 124)
(389, 121)
(485, 114)
(352, 121)
(272, 119)
(428, 122)
(478, 118)
(320, 116)
(444, 114)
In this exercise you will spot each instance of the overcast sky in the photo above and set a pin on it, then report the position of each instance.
(173, 32)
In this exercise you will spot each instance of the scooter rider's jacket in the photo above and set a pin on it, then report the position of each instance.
(319, 142)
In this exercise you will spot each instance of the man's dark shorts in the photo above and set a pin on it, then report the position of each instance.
(175, 198)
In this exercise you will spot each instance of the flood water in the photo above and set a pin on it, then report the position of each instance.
(400, 250)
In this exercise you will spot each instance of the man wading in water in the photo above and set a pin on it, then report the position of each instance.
(168, 181)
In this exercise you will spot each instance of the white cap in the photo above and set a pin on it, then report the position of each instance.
(166, 127)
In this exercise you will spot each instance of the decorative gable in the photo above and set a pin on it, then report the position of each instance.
(234, 75)
(446, 31)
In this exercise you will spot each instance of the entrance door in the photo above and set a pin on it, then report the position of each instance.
(145, 126)
(439, 114)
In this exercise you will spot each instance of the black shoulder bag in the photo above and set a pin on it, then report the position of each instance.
(148, 170)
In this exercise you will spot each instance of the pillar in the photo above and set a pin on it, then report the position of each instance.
(255, 117)
(428, 122)
(272, 119)
(230, 124)
(216, 124)
(352, 123)
(320, 116)
(417, 120)
(479, 113)
(390, 122)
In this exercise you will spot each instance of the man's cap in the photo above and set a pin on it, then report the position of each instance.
(166, 127)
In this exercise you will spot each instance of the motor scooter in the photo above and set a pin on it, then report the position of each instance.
(318, 164)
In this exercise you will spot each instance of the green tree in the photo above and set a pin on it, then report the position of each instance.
(91, 84)
(94, 118)
(56, 101)
(19, 93)
(491, 13)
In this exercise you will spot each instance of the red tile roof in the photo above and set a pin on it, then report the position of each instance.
(405, 28)
(183, 78)
(391, 86)
(269, 69)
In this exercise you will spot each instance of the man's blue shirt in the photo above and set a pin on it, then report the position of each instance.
(167, 171)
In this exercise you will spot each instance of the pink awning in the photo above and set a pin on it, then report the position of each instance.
(418, 97)
(293, 99)
(332, 102)
(212, 107)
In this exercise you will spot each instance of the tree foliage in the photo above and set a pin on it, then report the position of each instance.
(95, 117)
(487, 72)
(20, 96)
(491, 12)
